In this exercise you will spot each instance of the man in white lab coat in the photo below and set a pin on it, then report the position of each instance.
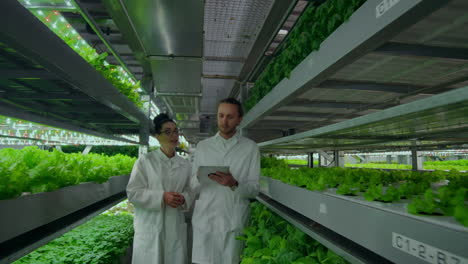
(222, 209)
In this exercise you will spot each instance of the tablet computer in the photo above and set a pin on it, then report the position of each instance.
(205, 171)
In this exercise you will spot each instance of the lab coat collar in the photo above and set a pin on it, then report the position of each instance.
(176, 160)
(233, 138)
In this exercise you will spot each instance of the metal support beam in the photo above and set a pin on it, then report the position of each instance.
(310, 159)
(87, 150)
(27, 73)
(339, 158)
(404, 49)
(60, 8)
(48, 97)
(361, 158)
(325, 155)
(369, 86)
(144, 140)
(329, 104)
(217, 76)
(416, 160)
(389, 159)
(290, 114)
(178, 94)
(224, 59)
(325, 159)
(243, 92)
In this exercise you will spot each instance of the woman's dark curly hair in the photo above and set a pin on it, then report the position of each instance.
(159, 121)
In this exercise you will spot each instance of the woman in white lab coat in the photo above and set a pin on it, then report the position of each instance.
(159, 190)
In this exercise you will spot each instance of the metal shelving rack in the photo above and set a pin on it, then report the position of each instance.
(388, 53)
(353, 223)
(33, 220)
(439, 121)
(393, 77)
(43, 80)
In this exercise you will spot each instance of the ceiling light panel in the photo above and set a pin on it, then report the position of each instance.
(231, 27)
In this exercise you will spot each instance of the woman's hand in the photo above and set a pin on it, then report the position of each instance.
(173, 199)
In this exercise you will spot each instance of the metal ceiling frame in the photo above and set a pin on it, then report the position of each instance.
(159, 44)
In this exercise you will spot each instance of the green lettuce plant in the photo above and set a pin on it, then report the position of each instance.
(102, 240)
(312, 28)
(422, 190)
(31, 170)
(113, 73)
(269, 239)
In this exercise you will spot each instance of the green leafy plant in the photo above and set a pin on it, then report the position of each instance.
(101, 240)
(424, 204)
(312, 28)
(270, 162)
(31, 170)
(297, 162)
(113, 73)
(269, 239)
(459, 165)
(423, 188)
(130, 151)
(377, 193)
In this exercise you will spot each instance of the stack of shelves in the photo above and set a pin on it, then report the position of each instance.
(388, 53)
(44, 81)
(393, 77)
(35, 219)
(366, 232)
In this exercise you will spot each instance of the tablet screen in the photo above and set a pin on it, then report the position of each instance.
(205, 171)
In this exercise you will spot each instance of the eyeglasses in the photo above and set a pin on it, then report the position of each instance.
(169, 132)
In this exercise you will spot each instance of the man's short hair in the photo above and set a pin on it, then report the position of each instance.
(233, 101)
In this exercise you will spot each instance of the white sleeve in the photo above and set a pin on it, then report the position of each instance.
(248, 187)
(192, 188)
(138, 191)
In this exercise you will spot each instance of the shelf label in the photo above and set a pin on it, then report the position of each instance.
(384, 6)
(425, 252)
(323, 208)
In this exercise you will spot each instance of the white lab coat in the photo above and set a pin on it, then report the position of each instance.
(160, 230)
(220, 214)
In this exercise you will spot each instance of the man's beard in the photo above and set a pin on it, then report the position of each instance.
(228, 131)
